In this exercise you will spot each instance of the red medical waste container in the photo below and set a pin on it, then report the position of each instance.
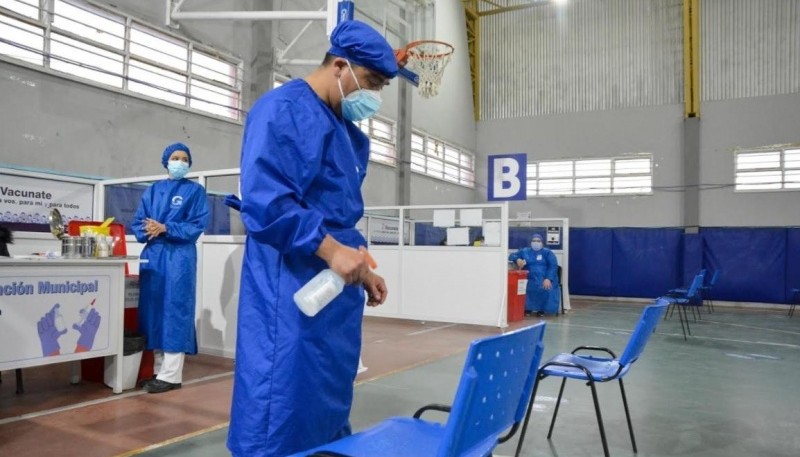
(517, 282)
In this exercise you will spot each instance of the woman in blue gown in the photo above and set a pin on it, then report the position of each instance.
(171, 216)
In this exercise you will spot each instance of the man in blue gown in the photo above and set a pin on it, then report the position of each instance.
(303, 162)
(171, 216)
(542, 293)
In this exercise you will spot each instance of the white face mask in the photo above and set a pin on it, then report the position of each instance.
(536, 245)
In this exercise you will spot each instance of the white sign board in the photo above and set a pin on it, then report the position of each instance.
(28, 200)
(54, 315)
(444, 218)
(471, 217)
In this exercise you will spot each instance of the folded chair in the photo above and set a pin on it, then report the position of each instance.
(592, 369)
(496, 383)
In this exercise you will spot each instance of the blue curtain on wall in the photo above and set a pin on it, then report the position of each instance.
(590, 261)
(122, 201)
(792, 262)
(645, 261)
(520, 237)
(756, 264)
(753, 261)
(693, 259)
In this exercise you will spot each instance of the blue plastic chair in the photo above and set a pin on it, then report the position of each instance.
(496, 383)
(795, 301)
(706, 289)
(692, 297)
(593, 369)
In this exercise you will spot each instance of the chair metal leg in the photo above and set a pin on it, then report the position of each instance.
(599, 418)
(558, 403)
(527, 418)
(627, 415)
(684, 315)
(20, 386)
(683, 328)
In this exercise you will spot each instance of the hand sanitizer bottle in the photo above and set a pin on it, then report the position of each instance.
(324, 287)
(318, 292)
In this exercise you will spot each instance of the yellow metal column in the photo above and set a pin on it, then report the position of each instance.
(691, 57)
(473, 45)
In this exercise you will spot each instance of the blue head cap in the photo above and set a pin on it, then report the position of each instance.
(172, 148)
(537, 236)
(362, 45)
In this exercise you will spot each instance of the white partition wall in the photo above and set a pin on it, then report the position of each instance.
(432, 282)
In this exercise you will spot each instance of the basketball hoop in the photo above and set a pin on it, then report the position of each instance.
(428, 59)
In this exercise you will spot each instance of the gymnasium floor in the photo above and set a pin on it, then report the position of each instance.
(730, 390)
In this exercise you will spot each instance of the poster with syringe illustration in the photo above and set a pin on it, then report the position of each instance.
(52, 316)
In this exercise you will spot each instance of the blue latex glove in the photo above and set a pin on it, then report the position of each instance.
(233, 201)
(48, 333)
(88, 330)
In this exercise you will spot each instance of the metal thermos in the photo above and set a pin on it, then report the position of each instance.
(70, 247)
(87, 243)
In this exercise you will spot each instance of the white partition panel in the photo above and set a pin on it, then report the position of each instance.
(219, 298)
(388, 260)
(459, 284)
(463, 285)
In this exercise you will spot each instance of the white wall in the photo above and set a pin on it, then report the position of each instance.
(741, 124)
(596, 134)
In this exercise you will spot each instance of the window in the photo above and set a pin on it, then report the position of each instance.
(28, 8)
(768, 170)
(21, 41)
(624, 175)
(89, 42)
(382, 140)
(435, 158)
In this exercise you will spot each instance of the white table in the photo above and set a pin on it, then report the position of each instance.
(41, 304)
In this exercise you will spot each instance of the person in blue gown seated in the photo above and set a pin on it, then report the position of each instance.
(542, 293)
(172, 215)
(303, 162)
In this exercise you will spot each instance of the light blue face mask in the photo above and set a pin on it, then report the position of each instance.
(177, 169)
(360, 104)
(537, 245)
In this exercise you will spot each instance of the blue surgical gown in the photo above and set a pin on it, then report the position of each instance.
(541, 265)
(167, 280)
(302, 169)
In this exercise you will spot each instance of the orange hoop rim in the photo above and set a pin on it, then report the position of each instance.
(403, 53)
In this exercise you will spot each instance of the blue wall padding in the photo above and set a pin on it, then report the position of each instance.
(123, 200)
(644, 262)
(792, 262)
(590, 261)
(425, 234)
(520, 237)
(692, 259)
(753, 263)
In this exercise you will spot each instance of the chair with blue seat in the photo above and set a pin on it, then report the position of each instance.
(705, 291)
(496, 382)
(691, 298)
(794, 302)
(593, 369)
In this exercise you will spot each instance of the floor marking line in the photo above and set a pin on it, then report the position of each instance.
(98, 401)
(427, 330)
(177, 439)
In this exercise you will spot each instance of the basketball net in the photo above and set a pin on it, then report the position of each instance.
(428, 60)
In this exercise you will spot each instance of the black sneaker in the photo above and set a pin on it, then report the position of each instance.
(539, 314)
(158, 386)
(147, 381)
